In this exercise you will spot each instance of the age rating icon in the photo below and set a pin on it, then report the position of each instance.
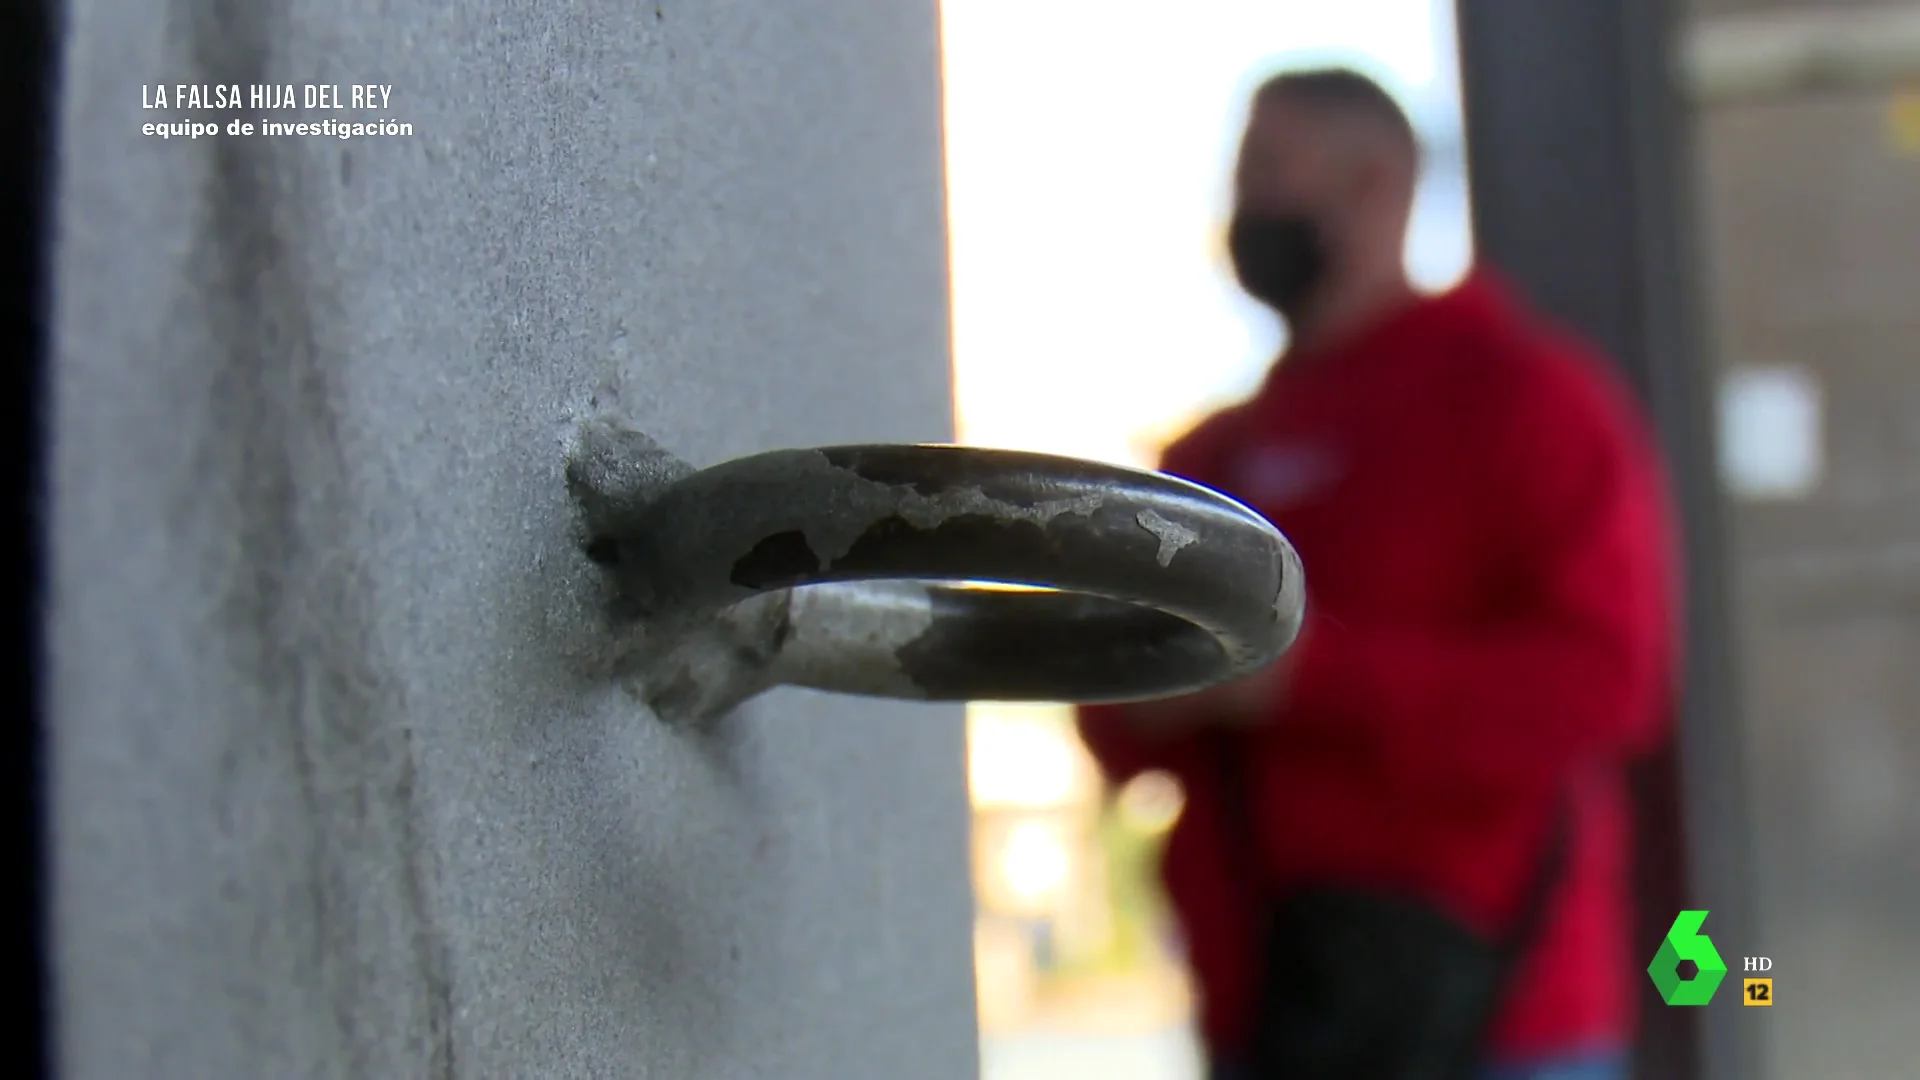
(1684, 941)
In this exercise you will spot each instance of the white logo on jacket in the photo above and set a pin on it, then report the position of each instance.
(1280, 475)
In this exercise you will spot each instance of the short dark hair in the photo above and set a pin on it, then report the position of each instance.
(1341, 90)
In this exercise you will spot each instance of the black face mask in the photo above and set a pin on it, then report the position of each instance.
(1279, 260)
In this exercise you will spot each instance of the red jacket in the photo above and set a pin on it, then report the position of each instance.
(1490, 568)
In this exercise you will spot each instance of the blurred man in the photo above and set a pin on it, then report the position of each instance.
(1405, 844)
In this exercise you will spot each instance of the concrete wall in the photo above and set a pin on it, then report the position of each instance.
(1812, 219)
(337, 790)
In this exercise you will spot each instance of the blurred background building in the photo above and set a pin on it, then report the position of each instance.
(1807, 122)
(1088, 150)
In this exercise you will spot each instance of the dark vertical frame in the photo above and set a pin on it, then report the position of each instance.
(27, 76)
(1581, 180)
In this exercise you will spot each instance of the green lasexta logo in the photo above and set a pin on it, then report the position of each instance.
(1685, 942)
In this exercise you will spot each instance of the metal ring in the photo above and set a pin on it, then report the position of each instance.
(1155, 586)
